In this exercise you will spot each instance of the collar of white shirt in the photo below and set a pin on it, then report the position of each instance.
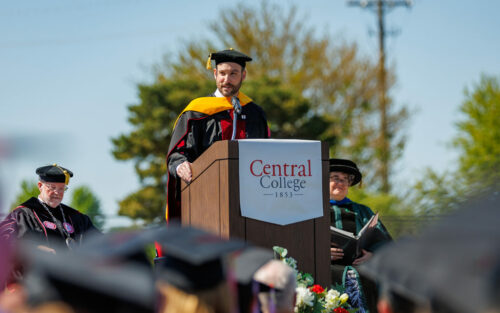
(218, 94)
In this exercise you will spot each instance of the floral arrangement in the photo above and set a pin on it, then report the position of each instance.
(313, 298)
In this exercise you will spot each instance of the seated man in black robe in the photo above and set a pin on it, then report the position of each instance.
(209, 119)
(45, 219)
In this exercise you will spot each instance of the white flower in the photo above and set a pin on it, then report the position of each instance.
(332, 300)
(304, 297)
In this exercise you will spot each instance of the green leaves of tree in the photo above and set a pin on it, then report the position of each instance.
(28, 189)
(84, 200)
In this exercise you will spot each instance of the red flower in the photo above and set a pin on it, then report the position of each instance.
(340, 310)
(317, 289)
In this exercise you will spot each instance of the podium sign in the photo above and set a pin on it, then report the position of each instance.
(280, 180)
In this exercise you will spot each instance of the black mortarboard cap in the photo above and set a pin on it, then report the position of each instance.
(88, 282)
(230, 55)
(346, 166)
(194, 259)
(54, 173)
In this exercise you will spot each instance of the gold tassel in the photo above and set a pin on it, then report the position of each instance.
(66, 177)
(209, 62)
(66, 174)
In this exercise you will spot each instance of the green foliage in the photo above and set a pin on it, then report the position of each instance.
(478, 145)
(437, 194)
(84, 200)
(28, 189)
(147, 204)
(478, 138)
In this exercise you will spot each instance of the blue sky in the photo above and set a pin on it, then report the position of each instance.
(68, 70)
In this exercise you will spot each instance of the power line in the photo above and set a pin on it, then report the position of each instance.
(381, 7)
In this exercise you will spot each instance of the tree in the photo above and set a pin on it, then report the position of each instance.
(309, 86)
(478, 145)
(478, 138)
(86, 202)
(28, 189)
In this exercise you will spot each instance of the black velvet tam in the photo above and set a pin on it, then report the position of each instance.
(54, 173)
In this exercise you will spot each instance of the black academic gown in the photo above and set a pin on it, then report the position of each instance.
(204, 121)
(352, 216)
(31, 221)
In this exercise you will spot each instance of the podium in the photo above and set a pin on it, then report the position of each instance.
(212, 202)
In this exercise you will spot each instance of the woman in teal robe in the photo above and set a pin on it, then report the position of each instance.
(351, 216)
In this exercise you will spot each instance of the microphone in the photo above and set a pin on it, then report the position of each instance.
(236, 104)
(237, 110)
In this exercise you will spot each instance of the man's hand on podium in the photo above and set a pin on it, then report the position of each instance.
(184, 171)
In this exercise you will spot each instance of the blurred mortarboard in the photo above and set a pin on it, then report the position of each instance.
(122, 246)
(246, 264)
(193, 259)
(54, 173)
(249, 261)
(452, 262)
(229, 55)
(88, 282)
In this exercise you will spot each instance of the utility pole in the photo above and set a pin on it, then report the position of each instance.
(380, 7)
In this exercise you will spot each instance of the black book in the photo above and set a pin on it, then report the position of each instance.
(353, 244)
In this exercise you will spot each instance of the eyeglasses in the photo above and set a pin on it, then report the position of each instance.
(339, 180)
(56, 189)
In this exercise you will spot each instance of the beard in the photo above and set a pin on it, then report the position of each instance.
(229, 90)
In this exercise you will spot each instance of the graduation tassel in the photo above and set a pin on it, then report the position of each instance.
(209, 62)
(66, 177)
(66, 174)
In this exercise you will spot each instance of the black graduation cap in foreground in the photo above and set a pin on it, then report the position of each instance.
(194, 259)
(454, 265)
(88, 282)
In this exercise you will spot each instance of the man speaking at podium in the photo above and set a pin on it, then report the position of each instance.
(227, 114)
